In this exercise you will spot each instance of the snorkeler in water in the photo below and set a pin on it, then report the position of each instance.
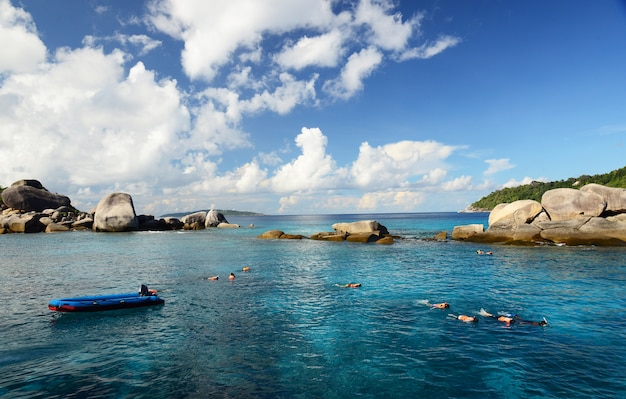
(508, 319)
(440, 305)
(464, 318)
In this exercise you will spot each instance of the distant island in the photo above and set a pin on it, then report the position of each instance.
(536, 189)
(225, 212)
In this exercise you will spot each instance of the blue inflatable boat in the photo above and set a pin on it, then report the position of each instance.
(96, 303)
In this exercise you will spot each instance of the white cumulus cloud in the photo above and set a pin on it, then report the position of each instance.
(21, 49)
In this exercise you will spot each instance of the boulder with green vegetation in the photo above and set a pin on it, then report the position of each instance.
(593, 215)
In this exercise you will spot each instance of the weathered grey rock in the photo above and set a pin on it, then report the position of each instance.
(115, 213)
(514, 214)
(29, 182)
(615, 197)
(214, 218)
(28, 198)
(363, 226)
(196, 217)
(173, 223)
(568, 203)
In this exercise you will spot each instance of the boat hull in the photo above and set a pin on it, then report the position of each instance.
(98, 303)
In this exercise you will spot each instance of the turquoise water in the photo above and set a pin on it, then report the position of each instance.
(284, 330)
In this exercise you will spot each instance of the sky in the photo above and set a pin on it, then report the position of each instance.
(308, 106)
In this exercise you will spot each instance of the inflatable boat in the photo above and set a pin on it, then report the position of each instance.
(98, 303)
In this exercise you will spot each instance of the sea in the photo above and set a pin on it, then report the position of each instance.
(287, 328)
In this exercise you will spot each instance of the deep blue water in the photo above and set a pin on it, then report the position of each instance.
(284, 330)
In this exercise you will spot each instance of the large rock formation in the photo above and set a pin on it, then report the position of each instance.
(194, 221)
(214, 218)
(367, 231)
(593, 215)
(30, 195)
(115, 212)
(363, 226)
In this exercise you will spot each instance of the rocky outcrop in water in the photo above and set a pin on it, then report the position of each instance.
(593, 215)
(27, 207)
(364, 231)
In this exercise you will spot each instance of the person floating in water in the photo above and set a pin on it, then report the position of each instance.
(349, 285)
(246, 269)
(441, 305)
(508, 319)
(481, 252)
(465, 319)
(214, 278)
(231, 277)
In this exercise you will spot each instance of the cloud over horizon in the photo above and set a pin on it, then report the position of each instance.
(98, 118)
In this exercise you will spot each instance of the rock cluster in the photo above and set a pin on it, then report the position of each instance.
(593, 215)
(363, 231)
(28, 207)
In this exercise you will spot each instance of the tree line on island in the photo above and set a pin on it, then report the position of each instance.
(536, 189)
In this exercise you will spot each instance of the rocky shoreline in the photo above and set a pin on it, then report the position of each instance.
(28, 207)
(593, 215)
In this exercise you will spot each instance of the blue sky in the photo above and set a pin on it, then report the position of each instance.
(308, 106)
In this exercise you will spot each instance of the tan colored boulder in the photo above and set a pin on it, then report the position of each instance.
(441, 236)
(467, 231)
(25, 223)
(227, 226)
(594, 231)
(568, 203)
(610, 228)
(387, 240)
(54, 228)
(617, 218)
(291, 237)
(515, 214)
(363, 226)
(615, 197)
(271, 234)
(328, 236)
(362, 237)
